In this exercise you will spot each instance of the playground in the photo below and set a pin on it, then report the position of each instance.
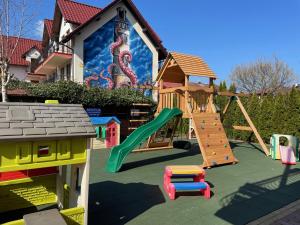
(244, 192)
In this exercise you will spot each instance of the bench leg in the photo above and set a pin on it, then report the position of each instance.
(171, 191)
(207, 191)
(167, 181)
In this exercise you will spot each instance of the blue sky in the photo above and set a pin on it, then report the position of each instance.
(224, 33)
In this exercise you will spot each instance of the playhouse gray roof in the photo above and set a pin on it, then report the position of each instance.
(28, 121)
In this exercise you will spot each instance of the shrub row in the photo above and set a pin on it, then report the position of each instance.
(271, 114)
(74, 93)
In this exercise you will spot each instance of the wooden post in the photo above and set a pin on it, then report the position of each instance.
(210, 103)
(160, 99)
(178, 118)
(227, 106)
(186, 93)
(260, 140)
(226, 109)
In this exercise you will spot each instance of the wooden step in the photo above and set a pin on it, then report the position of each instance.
(138, 120)
(243, 128)
(141, 104)
(142, 113)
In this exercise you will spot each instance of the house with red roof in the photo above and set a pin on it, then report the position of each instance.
(20, 66)
(107, 47)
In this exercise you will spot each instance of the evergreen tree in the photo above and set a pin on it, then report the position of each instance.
(232, 88)
(224, 85)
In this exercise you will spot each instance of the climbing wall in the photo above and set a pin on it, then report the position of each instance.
(212, 139)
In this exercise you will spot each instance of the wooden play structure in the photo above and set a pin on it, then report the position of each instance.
(178, 98)
(196, 102)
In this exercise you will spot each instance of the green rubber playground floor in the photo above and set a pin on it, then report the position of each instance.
(244, 192)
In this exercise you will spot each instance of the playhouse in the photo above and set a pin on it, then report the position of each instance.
(44, 158)
(275, 145)
(107, 131)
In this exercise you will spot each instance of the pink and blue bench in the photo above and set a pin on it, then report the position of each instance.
(197, 173)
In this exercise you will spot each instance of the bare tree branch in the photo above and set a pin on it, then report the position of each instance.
(263, 76)
(15, 17)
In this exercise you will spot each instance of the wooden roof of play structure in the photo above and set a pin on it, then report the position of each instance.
(178, 65)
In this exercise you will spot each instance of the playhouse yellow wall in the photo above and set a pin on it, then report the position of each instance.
(24, 155)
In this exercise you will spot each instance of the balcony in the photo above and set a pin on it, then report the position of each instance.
(55, 56)
(35, 78)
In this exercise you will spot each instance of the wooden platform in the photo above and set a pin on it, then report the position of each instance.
(212, 139)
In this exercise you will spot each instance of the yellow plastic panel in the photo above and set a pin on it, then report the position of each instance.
(39, 191)
(24, 152)
(73, 216)
(64, 149)
(16, 222)
(76, 155)
(51, 102)
(50, 156)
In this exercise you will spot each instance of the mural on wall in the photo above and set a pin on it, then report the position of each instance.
(116, 56)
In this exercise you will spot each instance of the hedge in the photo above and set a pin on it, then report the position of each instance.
(74, 93)
(271, 114)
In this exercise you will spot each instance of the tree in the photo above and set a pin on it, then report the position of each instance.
(14, 19)
(232, 88)
(263, 76)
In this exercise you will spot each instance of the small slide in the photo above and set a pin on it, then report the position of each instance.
(287, 155)
(119, 153)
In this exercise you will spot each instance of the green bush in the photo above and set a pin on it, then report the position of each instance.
(270, 114)
(74, 93)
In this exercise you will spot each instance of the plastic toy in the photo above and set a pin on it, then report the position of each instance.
(275, 145)
(287, 155)
(177, 172)
(45, 157)
(107, 131)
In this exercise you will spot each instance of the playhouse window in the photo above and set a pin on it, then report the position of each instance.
(283, 141)
(43, 150)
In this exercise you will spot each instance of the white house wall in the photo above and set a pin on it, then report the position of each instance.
(64, 28)
(78, 42)
(20, 72)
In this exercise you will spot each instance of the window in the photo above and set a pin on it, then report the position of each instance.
(43, 150)
(68, 71)
(62, 73)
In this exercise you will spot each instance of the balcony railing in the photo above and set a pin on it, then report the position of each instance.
(59, 48)
(48, 51)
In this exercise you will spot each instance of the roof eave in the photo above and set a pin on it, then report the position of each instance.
(135, 11)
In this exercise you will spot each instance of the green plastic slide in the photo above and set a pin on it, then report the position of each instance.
(119, 153)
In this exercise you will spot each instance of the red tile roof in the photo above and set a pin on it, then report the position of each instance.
(148, 29)
(23, 46)
(48, 24)
(75, 12)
